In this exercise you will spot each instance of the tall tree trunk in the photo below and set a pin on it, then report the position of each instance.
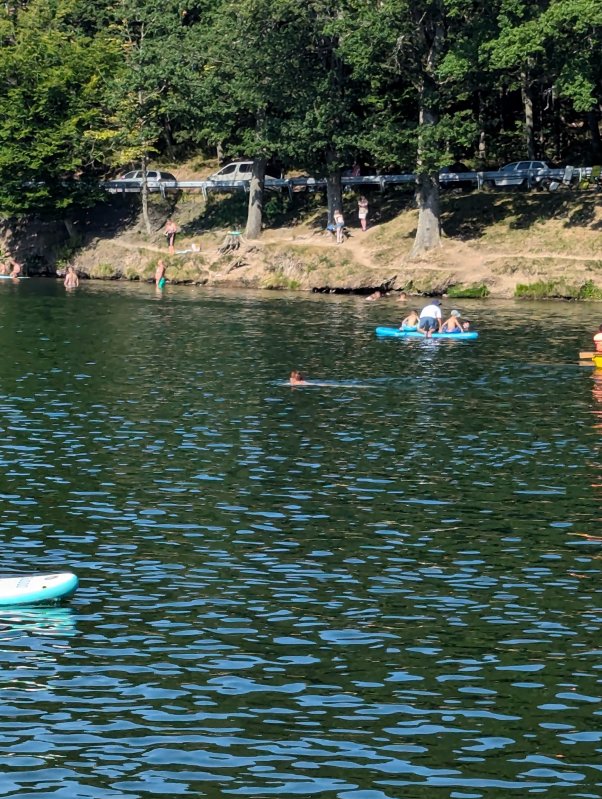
(144, 193)
(527, 95)
(593, 123)
(428, 232)
(334, 193)
(255, 212)
(169, 143)
(219, 152)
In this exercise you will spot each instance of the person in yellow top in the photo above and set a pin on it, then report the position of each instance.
(598, 340)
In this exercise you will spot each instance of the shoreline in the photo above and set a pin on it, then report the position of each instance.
(523, 245)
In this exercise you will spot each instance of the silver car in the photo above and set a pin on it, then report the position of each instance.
(153, 176)
(539, 170)
(237, 170)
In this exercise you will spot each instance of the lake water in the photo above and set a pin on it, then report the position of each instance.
(384, 587)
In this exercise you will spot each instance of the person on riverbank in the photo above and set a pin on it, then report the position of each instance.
(170, 233)
(430, 319)
(362, 212)
(411, 320)
(296, 378)
(160, 275)
(598, 340)
(339, 225)
(71, 279)
(453, 324)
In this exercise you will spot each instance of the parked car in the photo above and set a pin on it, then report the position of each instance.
(237, 170)
(516, 179)
(154, 177)
(455, 182)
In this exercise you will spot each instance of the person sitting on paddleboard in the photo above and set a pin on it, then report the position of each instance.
(598, 340)
(452, 325)
(411, 320)
(296, 378)
(430, 319)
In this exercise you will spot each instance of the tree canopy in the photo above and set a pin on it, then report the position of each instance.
(397, 85)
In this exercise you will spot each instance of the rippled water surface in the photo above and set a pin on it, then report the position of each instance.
(387, 586)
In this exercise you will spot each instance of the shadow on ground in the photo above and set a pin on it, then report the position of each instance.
(469, 217)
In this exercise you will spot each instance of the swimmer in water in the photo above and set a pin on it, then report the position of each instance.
(296, 379)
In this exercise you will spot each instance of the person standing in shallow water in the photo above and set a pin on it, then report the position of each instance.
(71, 279)
(160, 274)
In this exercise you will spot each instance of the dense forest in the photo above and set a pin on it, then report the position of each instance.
(87, 88)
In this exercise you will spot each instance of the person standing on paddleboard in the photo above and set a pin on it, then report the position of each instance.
(430, 319)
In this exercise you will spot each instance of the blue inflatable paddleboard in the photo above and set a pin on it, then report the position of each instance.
(395, 332)
(28, 589)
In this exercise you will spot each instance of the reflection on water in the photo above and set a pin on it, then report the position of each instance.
(359, 594)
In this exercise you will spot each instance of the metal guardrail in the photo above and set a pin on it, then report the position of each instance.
(532, 176)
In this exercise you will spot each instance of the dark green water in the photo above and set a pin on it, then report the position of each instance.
(387, 587)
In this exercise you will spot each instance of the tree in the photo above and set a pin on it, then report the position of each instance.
(51, 94)
(425, 52)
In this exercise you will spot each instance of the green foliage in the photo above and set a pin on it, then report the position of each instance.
(51, 97)
(558, 289)
(398, 85)
(477, 291)
(590, 291)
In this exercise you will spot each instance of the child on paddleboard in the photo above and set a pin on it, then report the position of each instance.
(411, 320)
(452, 325)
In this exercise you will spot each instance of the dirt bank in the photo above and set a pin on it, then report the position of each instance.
(493, 244)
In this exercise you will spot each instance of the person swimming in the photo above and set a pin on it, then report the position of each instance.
(296, 379)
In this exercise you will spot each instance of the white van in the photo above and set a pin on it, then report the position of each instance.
(237, 170)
